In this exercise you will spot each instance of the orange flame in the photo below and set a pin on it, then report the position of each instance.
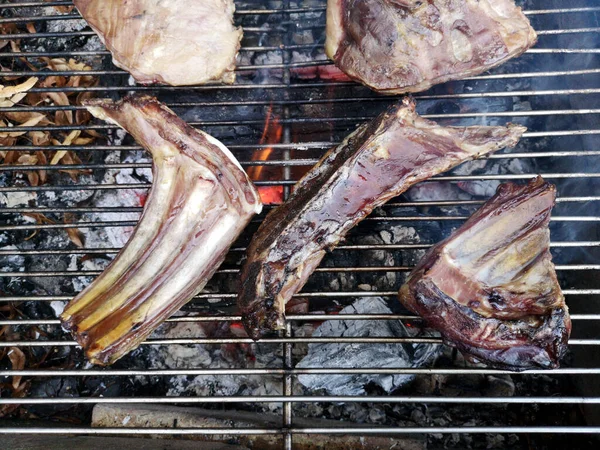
(272, 134)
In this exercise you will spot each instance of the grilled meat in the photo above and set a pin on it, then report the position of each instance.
(201, 199)
(377, 162)
(491, 288)
(179, 42)
(397, 46)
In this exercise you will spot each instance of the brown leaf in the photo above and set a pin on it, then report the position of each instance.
(27, 160)
(22, 117)
(7, 28)
(40, 218)
(17, 359)
(30, 123)
(62, 9)
(75, 235)
(31, 28)
(57, 157)
(33, 177)
(39, 138)
(10, 157)
(43, 161)
(9, 91)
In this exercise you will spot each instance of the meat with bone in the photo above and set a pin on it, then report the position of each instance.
(397, 46)
(180, 43)
(377, 162)
(491, 288)
(201, 199)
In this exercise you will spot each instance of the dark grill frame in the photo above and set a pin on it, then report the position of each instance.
(288, 372)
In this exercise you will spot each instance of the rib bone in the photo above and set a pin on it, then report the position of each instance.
(200, 201)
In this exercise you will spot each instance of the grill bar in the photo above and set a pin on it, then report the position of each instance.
(132, 209)
(84, 273)
(136, 186)
(123, 223)
(278, 431)
(311, 340)
(303, 102)
(532, 51)
(110, 251)
(277, 29)
(99, 73)
(312, 371)
(311, 317)
(306, 399)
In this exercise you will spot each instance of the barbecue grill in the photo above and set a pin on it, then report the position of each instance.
(286, 109)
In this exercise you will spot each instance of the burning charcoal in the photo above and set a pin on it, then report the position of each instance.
(363, 355)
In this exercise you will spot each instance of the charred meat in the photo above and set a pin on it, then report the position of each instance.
(491, 288)
(377, 162)
(397, 46)
(200, 201)
(180, 43)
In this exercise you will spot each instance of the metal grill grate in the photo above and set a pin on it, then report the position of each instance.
(558, 80)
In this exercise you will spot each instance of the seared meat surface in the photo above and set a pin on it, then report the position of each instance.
(491, 288)
(180, 43)
(200, 201)
(397, 46)
(377, 162)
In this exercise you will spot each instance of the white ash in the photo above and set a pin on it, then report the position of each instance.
(363, 355)
(12, 262)
(61, 26)
(73, 198)
(395, 234)
(17, 199)
(117, 237)
(480, 188)
(214, 357)
(435, 191)
(97, 265)
(177, 356)
(58, 307)
(487, 188)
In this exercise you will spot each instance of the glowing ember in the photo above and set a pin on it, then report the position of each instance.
(272, 133)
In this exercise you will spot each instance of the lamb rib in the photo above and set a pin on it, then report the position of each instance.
(377, 162)
(491, 288)
(200, 201)
(398, 46)
(180, 43)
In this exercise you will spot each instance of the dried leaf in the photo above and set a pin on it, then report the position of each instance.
(9, 91)
(30, 123)
(75, 235)
(31, 28)
(62, 153)
(7, 28)
(10, 157)
(43, 161)
(62, 9)
(17, 359)
(40, 218)
(39, 138)
(22, 117)
(27, 160)
(33, 178)
(57, 157)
